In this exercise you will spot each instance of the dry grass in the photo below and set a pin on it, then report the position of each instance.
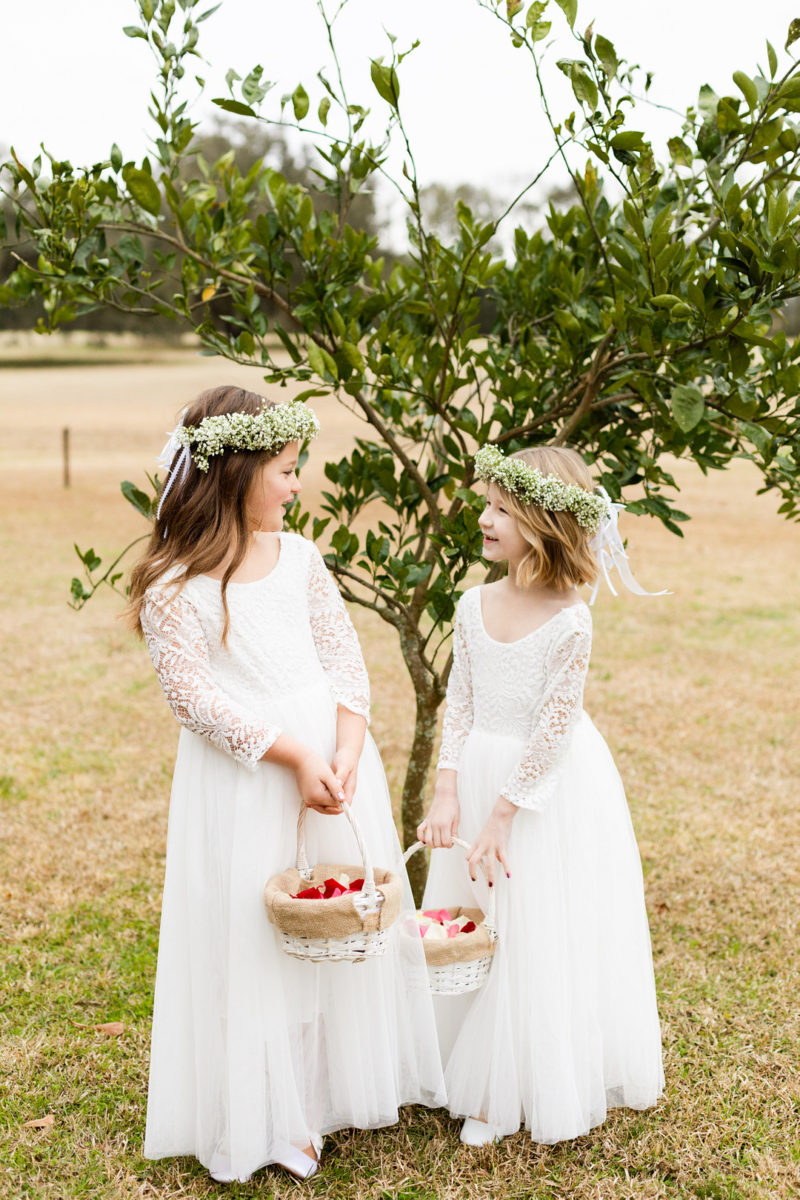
(696, 695)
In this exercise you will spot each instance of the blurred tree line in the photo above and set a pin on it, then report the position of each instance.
(247, 144)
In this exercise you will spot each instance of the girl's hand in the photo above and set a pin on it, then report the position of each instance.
(345, 767)
(490, 845)
(441, 824)
(318, 786)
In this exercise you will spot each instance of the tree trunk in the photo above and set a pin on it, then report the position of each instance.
(413, 803)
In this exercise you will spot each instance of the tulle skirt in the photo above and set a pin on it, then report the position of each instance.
(252, 1049)
(566, 1025)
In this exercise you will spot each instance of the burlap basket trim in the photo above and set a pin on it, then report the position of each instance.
(336, 918)
(466, 947)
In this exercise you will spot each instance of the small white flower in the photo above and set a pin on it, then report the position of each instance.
(270, 429)
(547, 491)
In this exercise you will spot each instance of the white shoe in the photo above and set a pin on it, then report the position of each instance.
(478, 1133)
(295, 1161)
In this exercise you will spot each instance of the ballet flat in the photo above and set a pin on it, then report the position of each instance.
(287, 1156)
(478, 1133)
(295, 1161)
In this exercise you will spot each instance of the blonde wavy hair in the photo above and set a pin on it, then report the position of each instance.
(560, 556)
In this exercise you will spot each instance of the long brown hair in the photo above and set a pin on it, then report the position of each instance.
(204, 512)
(559, 555)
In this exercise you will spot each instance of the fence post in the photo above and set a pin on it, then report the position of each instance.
(65, 454)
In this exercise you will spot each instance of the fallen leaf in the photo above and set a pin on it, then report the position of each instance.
(110, 1028)
(40, 1122)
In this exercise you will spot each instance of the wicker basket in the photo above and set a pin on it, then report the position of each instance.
(461, 964)
(348, 928)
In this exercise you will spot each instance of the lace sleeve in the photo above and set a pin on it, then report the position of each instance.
(179, 651)
(458, 708)
(336, 640)
(531, 782)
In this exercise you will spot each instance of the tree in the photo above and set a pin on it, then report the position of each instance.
(635, 323)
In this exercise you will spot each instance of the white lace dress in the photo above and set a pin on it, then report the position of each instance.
(251, 1048)
(566, 1025)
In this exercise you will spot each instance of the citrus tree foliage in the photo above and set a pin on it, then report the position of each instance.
(635, 322)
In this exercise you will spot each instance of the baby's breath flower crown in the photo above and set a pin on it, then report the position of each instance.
(271, 429)
(548, 491)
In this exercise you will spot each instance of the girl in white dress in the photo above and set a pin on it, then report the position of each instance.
(255, 1055)
(566, 1025)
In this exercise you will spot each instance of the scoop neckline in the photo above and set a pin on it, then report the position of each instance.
(252, 582)
(525, 636)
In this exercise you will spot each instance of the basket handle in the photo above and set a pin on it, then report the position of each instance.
(369, 889)
(490, 919)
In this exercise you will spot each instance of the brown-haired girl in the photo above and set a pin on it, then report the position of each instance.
(566, 1025)
(255, 1055)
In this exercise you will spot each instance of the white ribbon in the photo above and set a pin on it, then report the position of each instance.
(171, 448)
(610, 552)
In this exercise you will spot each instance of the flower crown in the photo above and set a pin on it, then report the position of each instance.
(271, 429)
(548, 491)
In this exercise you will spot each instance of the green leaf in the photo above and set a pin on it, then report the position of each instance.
(116, 157)
(794, 32)
(143, 189)
(353, 356)
(235, 106)
(386, 82)
(134, 31)
(512, 8)
(569, 9)
(324, 109)
(300, 102)
(78, 591)
(321, 361)
(688, 406)
(679, 152)
(583, 85)
(758, 436)
(288, 342)
(773, 59)
(209, 12)
(607, 55)
(540, 30)
(629, 139)
(139, 499)
(747, 88)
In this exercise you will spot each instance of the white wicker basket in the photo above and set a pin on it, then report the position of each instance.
(471, 954)
(349, 928)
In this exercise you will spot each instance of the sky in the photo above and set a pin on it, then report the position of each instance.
(73, 80)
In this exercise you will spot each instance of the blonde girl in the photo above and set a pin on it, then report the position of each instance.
(566, 1025)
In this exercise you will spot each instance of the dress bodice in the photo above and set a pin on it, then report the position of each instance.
(288, 631)
(530, 689)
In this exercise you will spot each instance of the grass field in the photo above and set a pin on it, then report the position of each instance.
(696, 694)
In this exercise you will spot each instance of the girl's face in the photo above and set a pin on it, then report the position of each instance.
(502, 540)
(273, 489)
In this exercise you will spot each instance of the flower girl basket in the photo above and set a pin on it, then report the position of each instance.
(461, 964)
(347, 928)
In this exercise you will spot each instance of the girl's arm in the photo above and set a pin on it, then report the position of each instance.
(533, 779)
(336, 640)
(351, 730)
(531, 782)
(339, 652)
(441, 824)
(179, 651)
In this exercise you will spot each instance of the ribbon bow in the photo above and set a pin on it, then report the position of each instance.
(610, 552)
(165, 459)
